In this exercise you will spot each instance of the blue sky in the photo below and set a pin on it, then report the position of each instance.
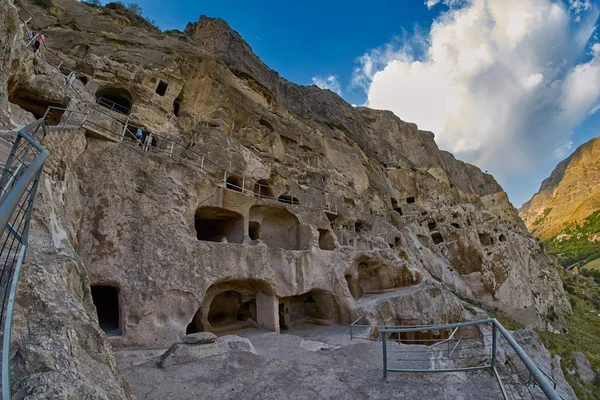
(508, 85)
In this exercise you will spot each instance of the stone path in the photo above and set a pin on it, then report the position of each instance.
(285, 370)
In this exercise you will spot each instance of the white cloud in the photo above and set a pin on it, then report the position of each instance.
(594, 110)
(563, 149)
(500, 82)
(330, 82)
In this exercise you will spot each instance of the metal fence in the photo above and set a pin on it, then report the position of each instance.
(467, 346)
(104, 120)
(18, 186)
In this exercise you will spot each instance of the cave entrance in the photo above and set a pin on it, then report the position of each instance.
(254, 230)
(115, 98)
(317, 307)
(196, 324)
(278, 227)
(486, 239)
(353, 286)
(177, 105)
(213, 224)
(262, 189)
(287, 199)
(32, 102)
(161, 88)
(106, 300)
(234, 183)
(240, 304)
(326, 240)
(437, 237)
(230, 307)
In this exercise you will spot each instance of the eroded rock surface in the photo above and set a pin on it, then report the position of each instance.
(326, 212)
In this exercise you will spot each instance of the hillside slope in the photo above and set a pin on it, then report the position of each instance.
(564, 212)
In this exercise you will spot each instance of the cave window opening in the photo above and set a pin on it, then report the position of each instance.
(234, 183)
(282, 324)
(115, 99)
(431, 225)
(161, 89)
(83, 79)
(287, 199)
(486, 239)
(326, 240)
(397, 241)
(437, 238)
(254, 230)
(262, 189)
(410, 200)
(278, 227)
(213, 224)
(106, 300)
(454, 224)
(502, 238)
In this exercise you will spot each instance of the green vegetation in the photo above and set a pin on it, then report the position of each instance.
(135, 13)
(594, 265)
(577, 247)
(541, 219)
(583, 333)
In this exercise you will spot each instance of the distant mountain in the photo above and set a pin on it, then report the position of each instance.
(565, 212)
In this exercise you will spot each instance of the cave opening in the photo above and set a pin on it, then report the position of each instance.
(278, 227)
(115, 98)
(161, 88)
(234, 183)
(214, 223)
(106, 300)
(287, 199)
(326, 240)
(262, 189)
(32, 102)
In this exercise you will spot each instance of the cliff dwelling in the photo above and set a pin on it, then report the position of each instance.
(213, 224)
(106, 300)
(234, 183)
(37, 105)
(278, 227)
(262, 189)
(119, 99)
(326, 240)
(236, 305)
(161, 88)
(287, 199)
(317, 307)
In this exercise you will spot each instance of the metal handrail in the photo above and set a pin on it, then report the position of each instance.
(130, 125)
(14, 191)
(539, 376)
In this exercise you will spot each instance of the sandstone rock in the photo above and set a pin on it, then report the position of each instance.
(200, 338)
(568, 196)
(183, 353)
(584, 367)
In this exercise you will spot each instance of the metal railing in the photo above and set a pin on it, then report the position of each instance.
(123, 128)
(467, 346)
(18, 187)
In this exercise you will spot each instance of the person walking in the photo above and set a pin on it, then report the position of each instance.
(139, 135)
(70, 78)
(37, 44)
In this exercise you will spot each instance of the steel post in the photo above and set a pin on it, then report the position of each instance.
(384, 341)
(494, 339)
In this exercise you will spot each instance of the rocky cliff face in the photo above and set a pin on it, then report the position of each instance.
(569, 195)
(568, 198)
(326, 211)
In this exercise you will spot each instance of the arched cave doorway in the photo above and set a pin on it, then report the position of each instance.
(37, 104)
(234, 183)
(106, 300)
(238, 304)
(115, 98)
(213, 224)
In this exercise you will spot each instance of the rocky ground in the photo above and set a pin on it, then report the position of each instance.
(284, 366)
